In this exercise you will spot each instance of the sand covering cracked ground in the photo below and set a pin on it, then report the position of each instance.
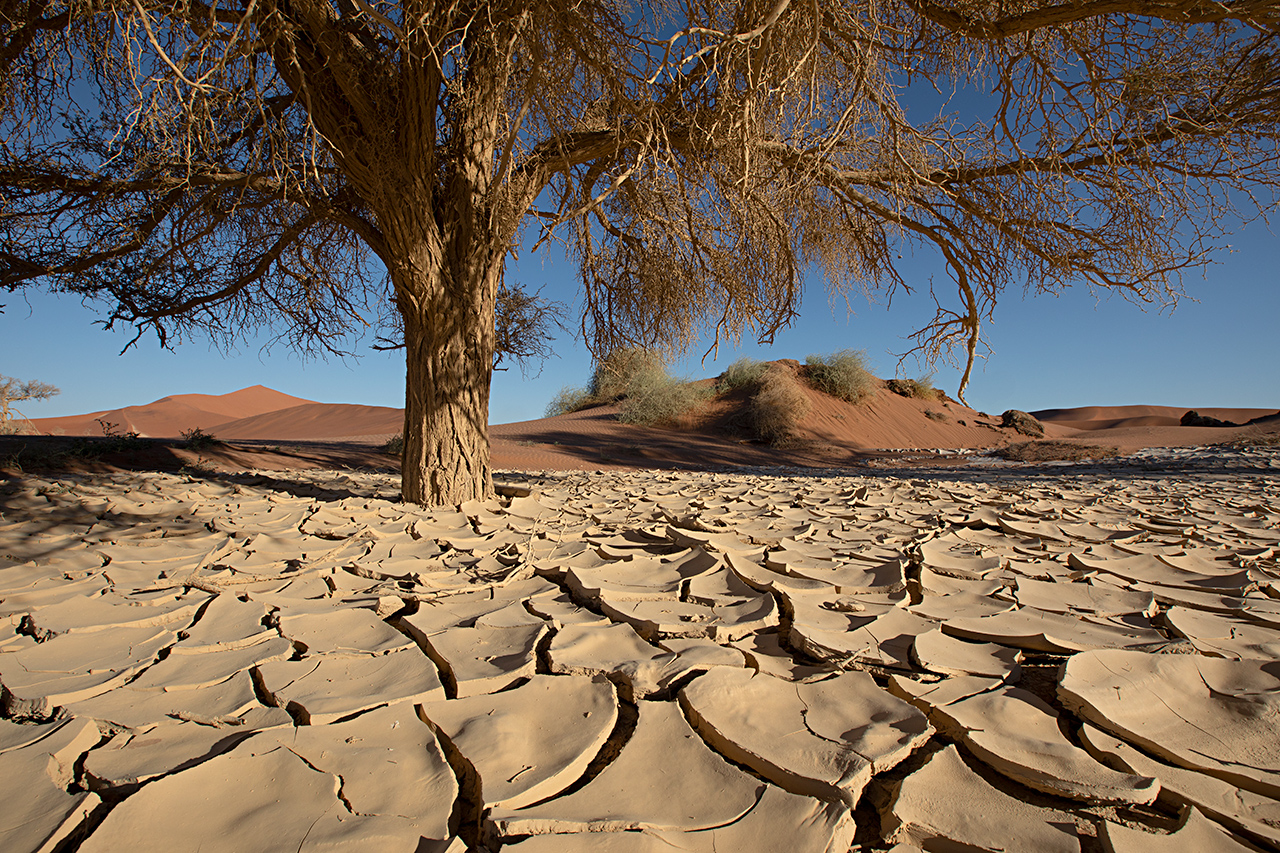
(642, 661)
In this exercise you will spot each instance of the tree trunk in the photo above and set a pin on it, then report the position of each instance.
(448, 307)
(445, 238)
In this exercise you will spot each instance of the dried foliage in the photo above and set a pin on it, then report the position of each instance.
(778, 407)
(743, 373)
(197, 439)
(654, 398)
(843, 375)
(617, 372)
(1054, 451)
(220, 168)
(919, 389)
(16, 391)
(568, 399)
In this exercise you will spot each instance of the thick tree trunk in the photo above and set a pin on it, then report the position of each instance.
(448, 311)
(444, 234)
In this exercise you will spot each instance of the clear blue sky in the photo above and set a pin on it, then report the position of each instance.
(1074, 350)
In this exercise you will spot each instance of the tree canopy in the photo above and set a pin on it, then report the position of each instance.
(200, 166)
(17, 391)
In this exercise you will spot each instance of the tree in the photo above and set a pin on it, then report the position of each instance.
(522, 327)
(16, 391)
(212, 167)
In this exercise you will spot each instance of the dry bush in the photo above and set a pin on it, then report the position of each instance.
(843, 375)
(570, 398)
(778, 407)
(394, 445)
(197, 439)
(16, 391)
(1054, 451)
(935, 415)
(653, 397)
(615, 373)
(920, 388)
(743, 373)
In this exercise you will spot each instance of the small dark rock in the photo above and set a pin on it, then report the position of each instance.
(1022, 422)
(1194, 418)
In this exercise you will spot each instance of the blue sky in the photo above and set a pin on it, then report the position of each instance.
(1222, 349)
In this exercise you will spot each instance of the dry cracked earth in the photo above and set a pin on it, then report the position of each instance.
(643, 661)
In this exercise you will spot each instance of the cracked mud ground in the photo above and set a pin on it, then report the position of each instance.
(642, 661)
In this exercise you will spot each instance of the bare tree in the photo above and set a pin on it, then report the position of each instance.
(215, 167)
(16, 391)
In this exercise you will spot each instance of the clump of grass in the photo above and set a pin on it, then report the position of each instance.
(935, 415)
(570, 399)
(920, 388)
(743, 373)
(617, 371)
(636, 377)
(394, 445)
(196, 439)
(843, 375)
(653, 397)
(778, 407)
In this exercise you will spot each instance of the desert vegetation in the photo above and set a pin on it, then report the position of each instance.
(743, 373)
(570, 398)
(843, 375)
(778, 405)
(654, 397)
(197, 439)
(1054, 451)
(920, 388)
(17, 391)
(637, 380)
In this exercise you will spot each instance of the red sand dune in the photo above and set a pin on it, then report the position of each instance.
(1112, 417)
(1133, 427)
(317, 421)
(169, 416)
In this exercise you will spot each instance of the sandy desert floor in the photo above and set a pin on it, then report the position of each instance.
(1051, 658)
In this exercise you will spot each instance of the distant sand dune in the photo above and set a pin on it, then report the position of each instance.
(169, 416)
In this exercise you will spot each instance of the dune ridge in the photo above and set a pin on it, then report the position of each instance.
(169, 416)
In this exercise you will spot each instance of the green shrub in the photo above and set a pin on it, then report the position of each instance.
(616, 371)
(570, 398)
(778, 407)
(843, 374)
(745, 372)
(394, 445)
(653, 397)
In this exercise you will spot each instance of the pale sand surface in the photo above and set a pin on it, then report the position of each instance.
(1053, 657)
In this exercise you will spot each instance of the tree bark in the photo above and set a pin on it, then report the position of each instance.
(448, 311)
